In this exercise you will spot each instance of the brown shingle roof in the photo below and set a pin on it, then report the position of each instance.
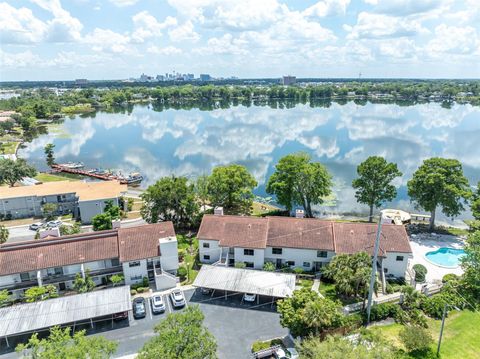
(357, 237)
(231, 231)
(125, 243)
(142, 242)
(254, 232)
(300, 233)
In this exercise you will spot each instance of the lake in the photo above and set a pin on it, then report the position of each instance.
(192, 142)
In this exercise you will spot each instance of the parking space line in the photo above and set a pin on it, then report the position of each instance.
(167, 300)
(185, 298)
(149, 308)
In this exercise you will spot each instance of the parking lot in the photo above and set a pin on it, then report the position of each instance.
(234, 323)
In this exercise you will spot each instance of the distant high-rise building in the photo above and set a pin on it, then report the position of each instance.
(205, 77)
(289, 80)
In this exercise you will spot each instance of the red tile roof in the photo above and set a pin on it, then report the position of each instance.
(142, 242)
(308, 233)
(125, 243)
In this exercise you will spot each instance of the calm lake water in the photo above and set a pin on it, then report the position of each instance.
(192, 142)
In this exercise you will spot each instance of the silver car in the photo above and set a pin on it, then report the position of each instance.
(157, 303)
(178, 300)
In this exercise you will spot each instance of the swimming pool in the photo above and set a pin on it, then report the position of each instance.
(445, 257)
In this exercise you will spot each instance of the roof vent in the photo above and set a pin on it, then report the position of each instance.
(299, 213)
(218, 211)
(352, 232)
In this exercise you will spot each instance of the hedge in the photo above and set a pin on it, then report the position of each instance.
(383, 311)
(420, 272)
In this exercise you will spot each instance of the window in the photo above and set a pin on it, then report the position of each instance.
(248, 264)
(115, 262)
(385, 270)
(399, 258)
(248, 252)
(25, 277)
(290, 263)
(306, 264)
(322, 254)
(134, 264)
(206, 257)
(136, 277)
(206, 245)
(276, 250)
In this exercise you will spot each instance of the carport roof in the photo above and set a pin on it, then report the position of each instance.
(272, 284)
(24, 318)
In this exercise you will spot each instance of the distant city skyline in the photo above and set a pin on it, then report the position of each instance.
(121, 39)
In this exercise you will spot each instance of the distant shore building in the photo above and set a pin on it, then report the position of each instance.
(81, 199)
(289, 80)
(205, 77)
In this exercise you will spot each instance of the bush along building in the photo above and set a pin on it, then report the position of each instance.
(148, 251)
(82, 199)
(298, 242)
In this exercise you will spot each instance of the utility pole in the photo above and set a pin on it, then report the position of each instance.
(374, 268)
(444, 314)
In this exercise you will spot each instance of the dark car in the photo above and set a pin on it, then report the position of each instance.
(139, 308)
(120, 316)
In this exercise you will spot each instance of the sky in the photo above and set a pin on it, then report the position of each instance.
(118, 39)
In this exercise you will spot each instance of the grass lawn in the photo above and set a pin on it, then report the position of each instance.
(306, 283)
(460, 336)
(328, 291)
(190, 258)
(8, 148)
(48, 177)
(261, 208)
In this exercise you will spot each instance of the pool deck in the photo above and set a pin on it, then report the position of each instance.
(425, 242)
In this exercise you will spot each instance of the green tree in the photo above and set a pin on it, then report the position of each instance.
(3, 234)
(416, 339)
(101, 222)
(439, 182)
(231, 187)
(112, 210)
(322, 314)
(470, 263)
(201, 190)
(373, 184)
(365, 347)
(181, 336)
(116, 279)
(269, 267)
(13, 171)
(60, 344)
(49, 210)
(83, 285)
(475, 207)
(34, 294)
(298, 181)
(170, 199)
(351, 273)
(66, 230)
(4, 297)
(49, 154)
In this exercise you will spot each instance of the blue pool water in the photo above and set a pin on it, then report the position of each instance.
(446, 257)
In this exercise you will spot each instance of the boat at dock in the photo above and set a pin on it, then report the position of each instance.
(133, 178)
(72, 165)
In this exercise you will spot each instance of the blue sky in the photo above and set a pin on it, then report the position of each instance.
(115, 39)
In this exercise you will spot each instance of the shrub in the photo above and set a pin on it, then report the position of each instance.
(182, 272)
(141, 289)
(383, 311)
(433, 306)
(269, 267)
(450, 277)
(240, 265)
(298, 270)
(416, 339)
(133, 291)
(144, 282)
(420, 272)
(258, 345)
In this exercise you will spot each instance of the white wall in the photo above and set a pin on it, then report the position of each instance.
(299, 256)
(89, 209)
(257, 258)
(9, 279)
(214, 251)
(130, 272)
(169, 254)
(397, 268)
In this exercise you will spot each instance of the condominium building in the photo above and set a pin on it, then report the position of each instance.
(145, 251)
(298, 242)
(82, 199)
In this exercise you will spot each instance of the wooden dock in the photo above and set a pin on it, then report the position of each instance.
(81, 172)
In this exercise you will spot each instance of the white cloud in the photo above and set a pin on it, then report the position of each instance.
(108, 40)
(379, 26)
(20, 26)
(183, 32)
(328, 8)
(406, 7)
(122, 3)
(454, 40)
(19, 60)
(168, 50)
(147, 26)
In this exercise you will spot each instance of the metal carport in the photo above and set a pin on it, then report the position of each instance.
(32, 317)
(230, 279)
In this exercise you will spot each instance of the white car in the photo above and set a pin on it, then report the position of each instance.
(249, 297)
(53, 224)
(36, 226)
(157, 303)
(178, 300)
(289, 353)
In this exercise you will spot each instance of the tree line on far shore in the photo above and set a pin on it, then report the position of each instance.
(297, 181)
